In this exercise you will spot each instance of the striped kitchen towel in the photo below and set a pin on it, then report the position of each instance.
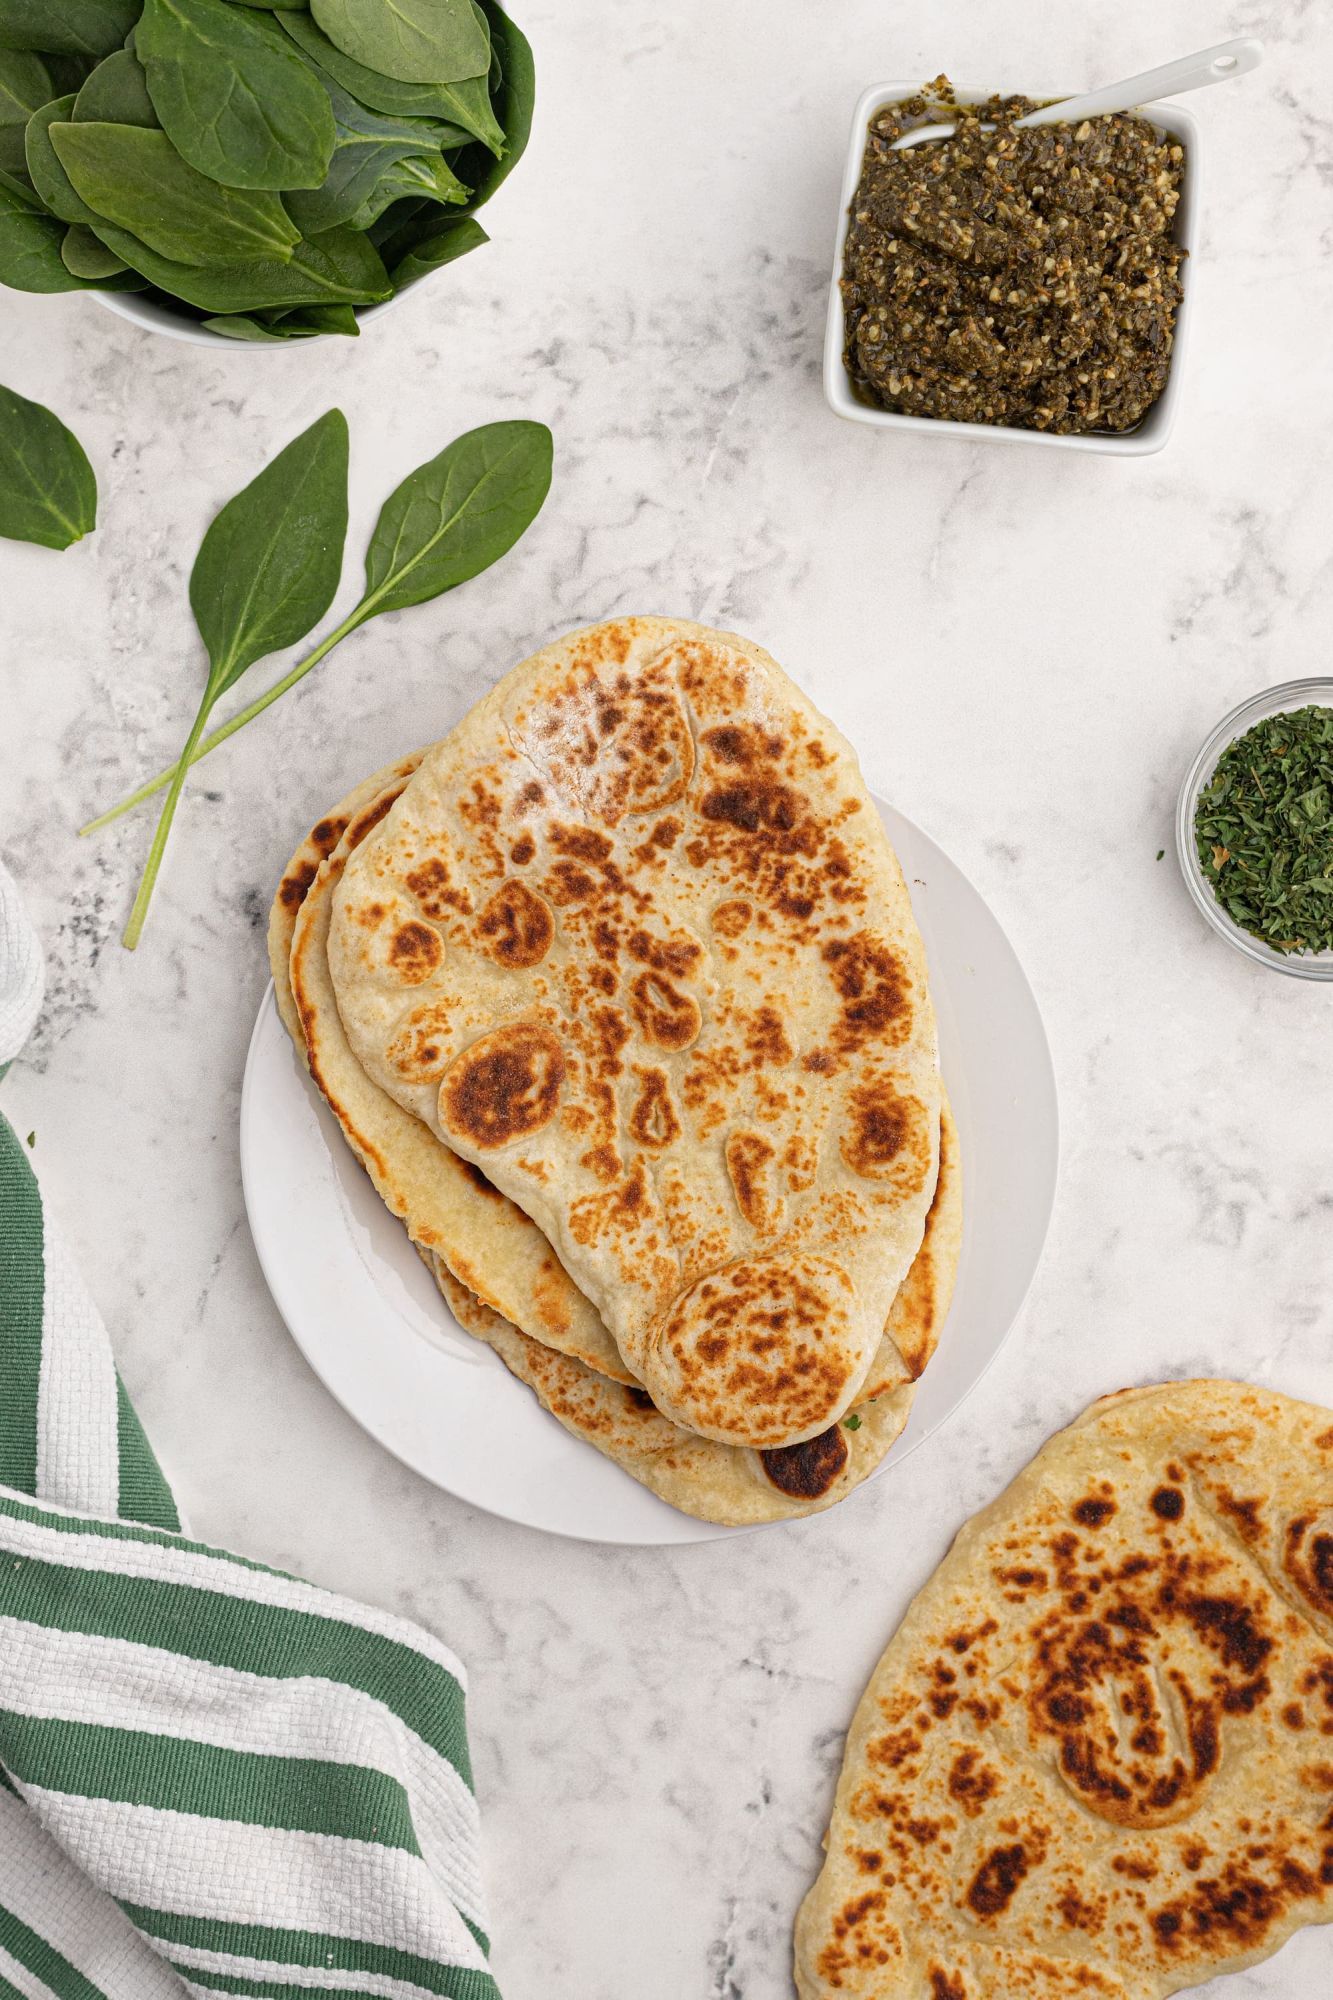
(213, 1778)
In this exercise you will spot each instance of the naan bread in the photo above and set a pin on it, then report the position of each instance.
(490, 1246)
(728, 1483)
(447, 1205)
(634, 942)
(301, 871)
(1097, 1757)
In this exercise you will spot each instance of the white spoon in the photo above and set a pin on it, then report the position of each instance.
(1216, 65)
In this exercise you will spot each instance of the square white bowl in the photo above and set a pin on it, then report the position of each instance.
(1149, 435)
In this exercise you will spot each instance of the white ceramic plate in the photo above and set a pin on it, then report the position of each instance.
(365, 1313)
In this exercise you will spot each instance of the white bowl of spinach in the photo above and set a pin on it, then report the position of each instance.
(252, 170)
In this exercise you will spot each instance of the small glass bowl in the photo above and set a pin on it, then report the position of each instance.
(1273, 701)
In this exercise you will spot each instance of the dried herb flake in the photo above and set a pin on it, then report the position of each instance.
(1263, 826)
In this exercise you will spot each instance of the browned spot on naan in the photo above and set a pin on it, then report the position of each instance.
(419, 1052)
(414, 951)
(1308, 1557)
(758, 1345)
(654, 1120)
(997, 1881)
(876, 993)
(805, 1471)
(666, 1015)
(734, 917)
(749, 1159)
(888, 1135)
(516, 927)
(504, 1086)
(436, 891)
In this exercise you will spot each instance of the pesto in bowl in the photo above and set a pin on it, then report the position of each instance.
(1026, 277)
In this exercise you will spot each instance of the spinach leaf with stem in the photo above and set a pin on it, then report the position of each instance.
(417, 41)
(233, 96)
(48, 493)
(266, 571)
(136, 180)
(449, 520)
(339, 266)
(376, 160)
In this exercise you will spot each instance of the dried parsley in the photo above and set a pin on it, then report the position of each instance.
(1264, 830)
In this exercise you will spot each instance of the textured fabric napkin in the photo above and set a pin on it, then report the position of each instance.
(213, 1778)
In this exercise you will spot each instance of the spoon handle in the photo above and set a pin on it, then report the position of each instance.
(1214, 65)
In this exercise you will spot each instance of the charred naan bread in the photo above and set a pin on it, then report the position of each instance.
(1097, 1757)
(634, 942)
(487, 1243)
(728, 1483)
(446, 1203)
(302, 869)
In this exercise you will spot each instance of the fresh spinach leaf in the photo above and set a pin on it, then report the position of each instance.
(302, 323)
(269, 565)
(137, 181)
(83, 254)
(25, 86)
(420, 175)
(242, 326)
(67, 27)
(456, 515)
(465, 105)
(418, 41)
(20, 187)
(423, 246)
(514, 100)
(48, 493)
(44, 169)
(234, 83)
(117, 94)
(376, 160)
(338, 266)
(449, 520)
(30, 241)
(234, 98)
(266, 571)
(318, 319)
(394, 219)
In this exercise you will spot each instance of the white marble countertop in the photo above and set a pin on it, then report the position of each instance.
(1027, 646)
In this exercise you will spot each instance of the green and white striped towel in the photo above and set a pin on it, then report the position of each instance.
(213, 1778)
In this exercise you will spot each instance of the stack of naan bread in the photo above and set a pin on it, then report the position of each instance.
(617, 995)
